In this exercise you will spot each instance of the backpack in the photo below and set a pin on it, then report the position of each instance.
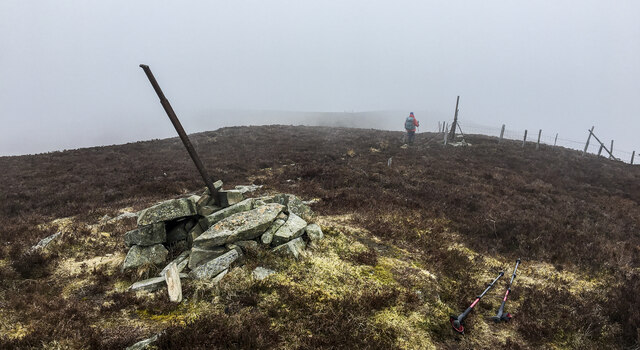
(408, 124)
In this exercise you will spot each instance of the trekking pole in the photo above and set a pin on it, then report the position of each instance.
(458, 321)
(500, 317)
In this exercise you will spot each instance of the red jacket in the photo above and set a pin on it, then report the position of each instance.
(415, 122)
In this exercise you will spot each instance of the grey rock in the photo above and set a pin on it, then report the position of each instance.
(149, 285)
(230, 197)
(267, 237)
(250, 188)
(174, 286)
(139, 256)
(195, 232)
(260, 273)
(203, 201)
(292, 228)
(181, 262)
(199, 256)
(220, 276)
(146, 235)
(294, 204)
(167, 210)
(247, 245)
(144, 344)
(314, 232)
(294, 248)
(217, 185)
(214, 267)
(240, 207)
(45, 242)
(208, 210)
(239, 227)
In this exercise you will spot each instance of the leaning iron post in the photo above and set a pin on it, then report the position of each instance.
(178, 126)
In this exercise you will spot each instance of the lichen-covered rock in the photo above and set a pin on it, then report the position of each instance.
(239, 227)
(146, 235)
(167, 210)
(174, 286)
(144, 344)
(247, 246)
(292, 228)
(214, 267)
(230, 197)
(294, 248)
(267, 237)
(207, 210)
(240, 207)
(294, 204)
(260, 273)
(45, 242)
(199, 256)
(195, 232)
(139, 256)
(314, 232)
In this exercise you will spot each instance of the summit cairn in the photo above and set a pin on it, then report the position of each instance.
(215, 232)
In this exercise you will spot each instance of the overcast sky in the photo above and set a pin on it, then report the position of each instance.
(69, 74)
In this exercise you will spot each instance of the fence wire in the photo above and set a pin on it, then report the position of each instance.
(546, 139)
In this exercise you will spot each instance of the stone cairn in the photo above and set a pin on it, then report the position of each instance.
(215, 233)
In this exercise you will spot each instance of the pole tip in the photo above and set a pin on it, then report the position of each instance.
(144, 66)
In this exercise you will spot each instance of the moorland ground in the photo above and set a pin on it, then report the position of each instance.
(407, 244)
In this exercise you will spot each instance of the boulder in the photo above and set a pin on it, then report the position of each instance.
(174, 287)
(207, 210)
(314, 232)
(293, 248)
(247, 246)
(292, 228)
(260, 273)
(139, 256)
(294, 204)
(195, 232)
(167, 210)
(199, 256)
(181, 262)
(238, 227)
(240, 207)
(149, 285)
(250, 188)
(146, 235)
(144, 344)
(230, 197)
(267, 237)
(214, 267)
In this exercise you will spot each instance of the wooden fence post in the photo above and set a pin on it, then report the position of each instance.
(439, 128)
(445, 138)
(588, 138)
(501, 133)
(539, 134)
(600, 150)
(556, 140)
(525, 138)
(632, 156)
(444, 126)
(611, 150)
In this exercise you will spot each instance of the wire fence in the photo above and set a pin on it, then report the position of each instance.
(545, 139)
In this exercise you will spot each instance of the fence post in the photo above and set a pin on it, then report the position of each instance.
(525, 138)
(588, 138)
(539, 134)
(611, 151)
(600, 150)
(445, 138)
(444, 126)
(556, 140)
(632, 156)
(501, 133)
(439, 128)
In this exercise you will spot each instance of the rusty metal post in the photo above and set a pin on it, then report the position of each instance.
(183, 135)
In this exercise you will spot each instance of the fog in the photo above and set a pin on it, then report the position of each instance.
(69, 74)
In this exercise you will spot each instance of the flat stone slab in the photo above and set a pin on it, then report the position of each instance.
(149, 285)
(174, 286)
(213, 267)
(239, 227)
(314, 232)
(199, 256)
(146, 235)
(292, 228)
(260, 273)
(267, 237)
(139, 256)
(167, 210)
(294, 204)
(144, 344)
(229, 197)
(293, 248)
(240, 207)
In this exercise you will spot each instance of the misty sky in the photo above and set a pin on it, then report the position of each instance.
(69, 74)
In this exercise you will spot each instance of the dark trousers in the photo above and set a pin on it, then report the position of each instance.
(411, 135)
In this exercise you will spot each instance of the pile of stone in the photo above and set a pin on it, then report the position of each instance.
(215, 233)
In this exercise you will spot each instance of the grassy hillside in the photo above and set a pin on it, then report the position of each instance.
(406, 245)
